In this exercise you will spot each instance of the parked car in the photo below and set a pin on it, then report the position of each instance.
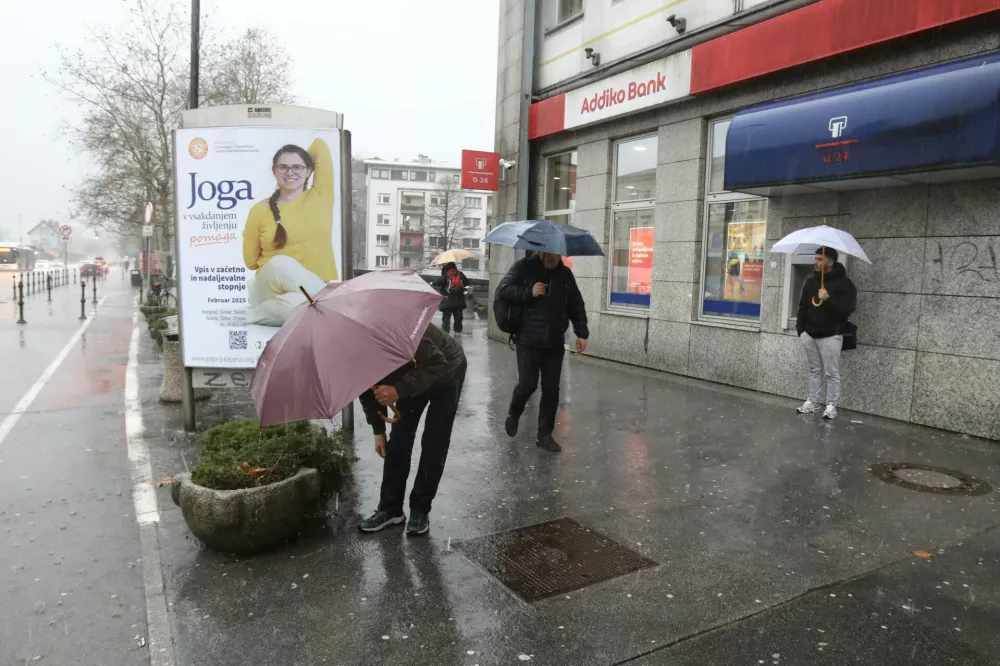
(89, 269)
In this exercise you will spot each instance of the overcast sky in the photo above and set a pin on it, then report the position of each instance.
(410, 76)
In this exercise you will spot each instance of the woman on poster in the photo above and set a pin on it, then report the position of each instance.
(288, 237)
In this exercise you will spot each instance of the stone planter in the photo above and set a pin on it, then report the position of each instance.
(248, 519)
(153, 309)
(173, 375)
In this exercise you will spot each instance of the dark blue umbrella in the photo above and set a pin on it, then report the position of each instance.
(546, 236)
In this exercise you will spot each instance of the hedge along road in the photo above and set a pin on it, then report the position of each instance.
(70, 541)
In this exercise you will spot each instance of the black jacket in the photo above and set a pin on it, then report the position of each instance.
(454, 299)
(544, 320)
(439, 359)
(828, 319)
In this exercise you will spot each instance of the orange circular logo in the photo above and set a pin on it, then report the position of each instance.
(198, 148)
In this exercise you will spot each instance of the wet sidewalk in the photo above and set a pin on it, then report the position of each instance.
(752, 535)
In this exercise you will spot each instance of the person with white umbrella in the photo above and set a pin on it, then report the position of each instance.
(828, 298)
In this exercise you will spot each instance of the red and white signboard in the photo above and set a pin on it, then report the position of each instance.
(659, 82)
(480, 170)
(640, 260)
(65, 231)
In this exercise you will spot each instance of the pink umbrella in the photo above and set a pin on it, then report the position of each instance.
(335, 347)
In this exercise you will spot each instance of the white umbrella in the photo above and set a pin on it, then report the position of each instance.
(807, 241)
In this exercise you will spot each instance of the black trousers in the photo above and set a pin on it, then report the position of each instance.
(533, 362)
(446, 316)
(441, 403)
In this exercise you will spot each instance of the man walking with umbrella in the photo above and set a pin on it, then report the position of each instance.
(550, 300)
(828, 299)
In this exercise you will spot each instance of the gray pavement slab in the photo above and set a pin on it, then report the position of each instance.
(69, 545)
(746, 507)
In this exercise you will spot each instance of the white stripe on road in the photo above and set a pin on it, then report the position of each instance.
(160, 643)
(25, 402)
(143, 493)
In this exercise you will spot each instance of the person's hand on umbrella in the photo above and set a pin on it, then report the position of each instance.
(385, 395)
(539, 289)
(380, 445)
(823, 294)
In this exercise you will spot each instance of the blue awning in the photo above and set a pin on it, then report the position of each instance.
(928, 125)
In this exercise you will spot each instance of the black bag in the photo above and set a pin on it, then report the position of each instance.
(507, 315)
(850, 335)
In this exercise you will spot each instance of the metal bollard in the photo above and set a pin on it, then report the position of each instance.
(20, 302)
(94, 283)
(48, 284)
(15, 288)
(83, 298)
(74, 277)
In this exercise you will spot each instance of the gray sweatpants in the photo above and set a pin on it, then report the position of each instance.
(823, 361)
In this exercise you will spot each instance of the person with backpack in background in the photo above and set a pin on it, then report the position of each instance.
(540, 298)
(451, 284)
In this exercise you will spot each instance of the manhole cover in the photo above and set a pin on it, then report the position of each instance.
(548, 559)
(929, 479)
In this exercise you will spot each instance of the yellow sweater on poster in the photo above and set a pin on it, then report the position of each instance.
(308, 222)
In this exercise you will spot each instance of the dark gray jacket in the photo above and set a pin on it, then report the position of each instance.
(438, 360)
(545, 319)
(829, 318)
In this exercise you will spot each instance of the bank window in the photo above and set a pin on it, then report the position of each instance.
(431, 176)
(383, 198)
(472, 222)
(435, 241)
(380, 173)
(632, 237)
(717, 169)
(381, 241)
(473, 202)
(382, 220)
(560, 186)
(456, 178)
(381, 261)
(470, 243)
(734, 242)
(470, 264)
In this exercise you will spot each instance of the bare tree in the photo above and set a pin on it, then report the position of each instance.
(132, 87)
(445, 218)
(359, 204)
(252, 68)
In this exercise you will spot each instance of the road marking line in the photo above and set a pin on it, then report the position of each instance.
(29, 397)
(147, 515)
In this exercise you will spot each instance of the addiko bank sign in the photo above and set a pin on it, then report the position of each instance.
(665, 80)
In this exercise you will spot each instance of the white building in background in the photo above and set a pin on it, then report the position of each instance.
(402, 231)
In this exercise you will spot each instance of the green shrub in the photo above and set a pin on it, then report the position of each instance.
(279, 450)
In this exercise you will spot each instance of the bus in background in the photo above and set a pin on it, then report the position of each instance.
(17, 257)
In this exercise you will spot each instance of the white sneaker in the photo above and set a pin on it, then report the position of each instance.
(830, 413)
(808, 407)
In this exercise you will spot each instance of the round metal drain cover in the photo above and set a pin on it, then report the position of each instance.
(929, 479)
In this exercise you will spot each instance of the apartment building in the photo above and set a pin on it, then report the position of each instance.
(417, 209)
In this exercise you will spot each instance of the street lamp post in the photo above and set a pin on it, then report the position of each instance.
(187, 386)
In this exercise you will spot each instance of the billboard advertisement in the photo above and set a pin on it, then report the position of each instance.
(257, 221)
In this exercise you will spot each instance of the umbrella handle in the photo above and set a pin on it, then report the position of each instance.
(822, 274)
(395, 415)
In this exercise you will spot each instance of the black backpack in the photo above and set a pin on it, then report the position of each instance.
(507, 315)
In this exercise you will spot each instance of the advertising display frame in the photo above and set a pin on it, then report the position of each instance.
(247, 117)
